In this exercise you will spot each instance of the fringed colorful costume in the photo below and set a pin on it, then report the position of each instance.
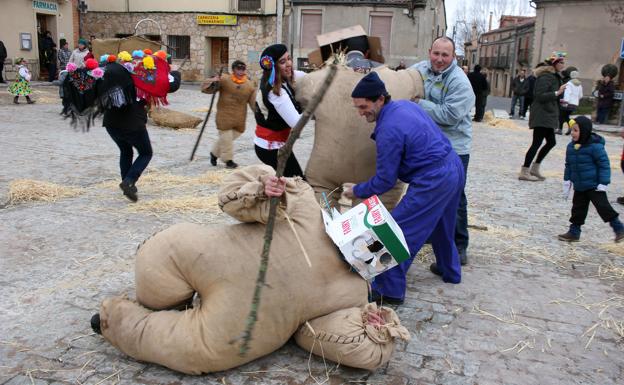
(121, 92)
(80, 93)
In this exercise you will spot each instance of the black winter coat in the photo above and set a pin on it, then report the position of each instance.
(545, 106)
(519, 87)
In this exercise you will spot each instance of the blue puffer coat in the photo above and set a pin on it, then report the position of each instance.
(588, 166)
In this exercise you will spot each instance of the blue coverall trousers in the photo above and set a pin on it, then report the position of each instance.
(428, 211)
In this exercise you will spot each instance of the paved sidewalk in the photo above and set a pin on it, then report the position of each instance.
(530, 309)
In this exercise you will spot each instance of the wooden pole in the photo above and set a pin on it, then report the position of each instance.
(282, 156)
(201, 132)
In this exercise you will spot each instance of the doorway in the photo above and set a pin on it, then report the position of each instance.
(45, 23)
(217, 55)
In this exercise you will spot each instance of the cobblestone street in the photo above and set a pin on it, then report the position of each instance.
(530, 309)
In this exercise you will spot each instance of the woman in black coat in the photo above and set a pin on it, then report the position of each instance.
(544, 118)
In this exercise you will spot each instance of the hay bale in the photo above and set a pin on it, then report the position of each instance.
(493, 121)
(28, 190)
(165, 117)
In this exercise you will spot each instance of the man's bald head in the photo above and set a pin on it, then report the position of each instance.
(442, 53)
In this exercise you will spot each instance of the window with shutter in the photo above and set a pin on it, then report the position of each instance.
(249, 5)
(180, 46)
(381, 26)
(311, 26)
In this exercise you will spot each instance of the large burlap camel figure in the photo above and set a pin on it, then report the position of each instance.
(220, 264)
(343, 150)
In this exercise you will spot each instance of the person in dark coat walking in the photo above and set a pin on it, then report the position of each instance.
(480, 88)
(604, 90)
(587, 168)
(519, 87)
(125, 120)
(3, 56)
(49, 55)
(528, 98)
(544, 118)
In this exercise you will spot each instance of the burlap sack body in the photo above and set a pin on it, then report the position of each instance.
(347, 337)
(220, 263)
(165, 117)
(233, 101)
(343, 150)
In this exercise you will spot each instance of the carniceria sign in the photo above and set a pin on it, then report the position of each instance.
(45, 6)
(217, 20)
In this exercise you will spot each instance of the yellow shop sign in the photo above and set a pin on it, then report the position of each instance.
(217, 19)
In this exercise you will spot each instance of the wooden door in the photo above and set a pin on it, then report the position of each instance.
(219, 54)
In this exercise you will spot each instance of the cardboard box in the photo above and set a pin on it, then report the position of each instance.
(368, 237)
(331, 41)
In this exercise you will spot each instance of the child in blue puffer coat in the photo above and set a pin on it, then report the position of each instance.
(587, 168)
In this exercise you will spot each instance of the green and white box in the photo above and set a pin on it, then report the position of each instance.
(368, 237)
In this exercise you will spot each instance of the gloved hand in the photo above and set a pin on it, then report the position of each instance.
(567, 189)
(601, 187)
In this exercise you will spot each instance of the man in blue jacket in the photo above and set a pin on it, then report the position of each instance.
(410, 147)
(448, 100)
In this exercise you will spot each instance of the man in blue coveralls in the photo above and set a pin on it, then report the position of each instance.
(412, 148)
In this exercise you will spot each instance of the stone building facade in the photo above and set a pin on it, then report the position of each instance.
(205, 35)
(245, 41)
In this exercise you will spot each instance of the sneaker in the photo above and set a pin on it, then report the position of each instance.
(231, 164)
(95, 323)
(383, 300)
(569, 237)
(434, 269)
(129, 190)
(620, 200)
(558, 132)
(619, 237)
(213, 159)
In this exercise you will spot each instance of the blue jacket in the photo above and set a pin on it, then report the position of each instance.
(408, 142)
(588, 166)
(448, 100)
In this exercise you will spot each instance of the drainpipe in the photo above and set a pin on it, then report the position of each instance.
(280, 16)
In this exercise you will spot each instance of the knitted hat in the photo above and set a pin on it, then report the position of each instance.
(585, 128)
(83, 42)
(269, 57)
(370, 86)
(275, 52)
